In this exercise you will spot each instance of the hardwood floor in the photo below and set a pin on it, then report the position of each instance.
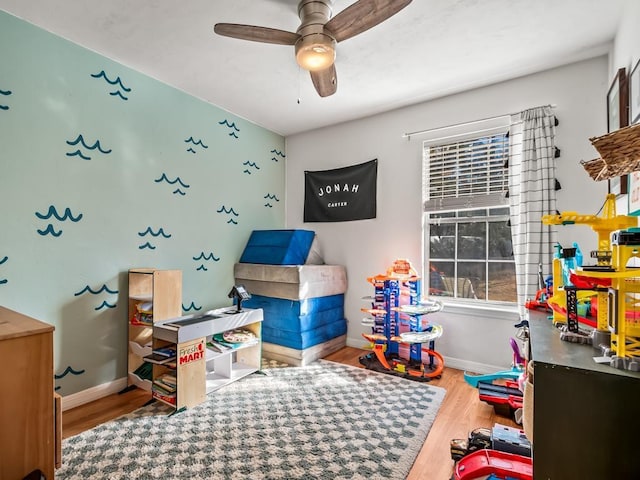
(461, 412)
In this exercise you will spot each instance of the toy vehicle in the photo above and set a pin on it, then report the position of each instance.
(505, 399)
(501, 438)
(479, 439)
(542, 295)
(498, 465)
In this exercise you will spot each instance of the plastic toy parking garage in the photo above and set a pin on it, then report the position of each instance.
(401, 339)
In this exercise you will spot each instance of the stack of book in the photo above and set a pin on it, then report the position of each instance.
(164, 387)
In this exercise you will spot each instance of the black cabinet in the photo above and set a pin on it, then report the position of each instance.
(586, 416)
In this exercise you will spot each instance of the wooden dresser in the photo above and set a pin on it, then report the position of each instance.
(27, 412)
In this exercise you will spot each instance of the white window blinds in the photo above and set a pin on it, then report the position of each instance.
(466, 174)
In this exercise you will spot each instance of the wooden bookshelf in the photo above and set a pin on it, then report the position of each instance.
(162, 289)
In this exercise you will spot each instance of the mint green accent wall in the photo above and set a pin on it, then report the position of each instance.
(103, 169)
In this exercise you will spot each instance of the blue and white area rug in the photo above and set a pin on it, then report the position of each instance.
(323, 421)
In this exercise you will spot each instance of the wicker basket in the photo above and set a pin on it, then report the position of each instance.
(619, 154)
(596, 168)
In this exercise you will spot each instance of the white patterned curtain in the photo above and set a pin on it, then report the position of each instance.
(532, 194)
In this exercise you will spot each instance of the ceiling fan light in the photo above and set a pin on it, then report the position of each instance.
(315, 52)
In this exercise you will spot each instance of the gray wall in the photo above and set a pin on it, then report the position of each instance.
(475, 339)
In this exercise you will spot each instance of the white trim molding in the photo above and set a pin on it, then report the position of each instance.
(93, 393)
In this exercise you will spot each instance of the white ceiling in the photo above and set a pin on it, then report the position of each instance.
(430, 49)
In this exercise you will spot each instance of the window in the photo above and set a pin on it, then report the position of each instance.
(468, 247)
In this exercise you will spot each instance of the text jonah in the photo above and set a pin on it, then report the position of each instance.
(337, 188)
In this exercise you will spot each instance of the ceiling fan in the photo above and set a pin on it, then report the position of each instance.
(316, 38)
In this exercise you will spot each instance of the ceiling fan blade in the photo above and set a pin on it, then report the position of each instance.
(325, 81)
(361, 16)
(256, 34)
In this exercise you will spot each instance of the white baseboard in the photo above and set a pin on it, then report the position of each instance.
(468, 366)
(93, 393)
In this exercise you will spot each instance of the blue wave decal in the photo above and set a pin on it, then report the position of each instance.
(53, 212)
(191, 150)
(171, 182)
(228, 211)
(117, 82)
(105, 304)
(178, 191)
(118, 94)
(3, 280)
(251, 164)
(271, 197)
(81, 141)
(68, 371)
(202, 257)
(78, 153)
(268, 205)
(230, 125)
(274, 159)
(247, 172)
(6, 93)
(190, 307)
(103, 288)
(195, 142)
(49, 230)
(150, 231)
(224, 209)
(278, 152)
(210, 256)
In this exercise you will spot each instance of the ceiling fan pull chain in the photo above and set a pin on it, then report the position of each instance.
(299, 74)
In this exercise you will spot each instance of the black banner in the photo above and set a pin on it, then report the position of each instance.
(341, 194)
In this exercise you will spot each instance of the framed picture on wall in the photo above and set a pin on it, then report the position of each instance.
(633, 199)
(618, 117)
(634, 94)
